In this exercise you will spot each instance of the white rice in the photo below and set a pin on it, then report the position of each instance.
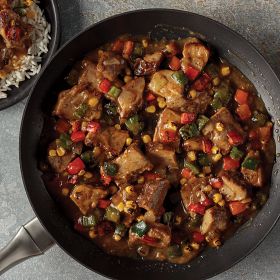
(31, 63)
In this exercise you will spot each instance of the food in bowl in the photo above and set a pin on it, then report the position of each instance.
(24, 38)
(158, 149)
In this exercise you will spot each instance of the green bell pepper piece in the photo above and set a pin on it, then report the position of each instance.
(140, 228)
(236, 153)
(250, 163)
(179, 77)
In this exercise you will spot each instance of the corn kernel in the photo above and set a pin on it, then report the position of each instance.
(127, 78)
(145, 43)
(52, 153)
(217, 157)
(146, 139)
(193, 93)
(129, 189)
(92, 102)
(65, 191)
(141, 180)
(88, 175)
(178, 220)
(81, 173)
(216, 242)
(225, 71)
(117, 126)
(60, 151)
(92, 234)
(140, 218)
(150, 109)
(96, 152)
(214, 150)
(160, 99)
(117, 237)
(191, 156)
(222, 203)
(183, 181)
(217, 197)
(195, 245)
(207, 188)
(216, 81)
(162, 105)
(128, 141)
(13, 23)
(130, 204)
(120, 206)
(206, 169)
(219, 126)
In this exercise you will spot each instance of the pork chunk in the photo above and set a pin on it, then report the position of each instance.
(131, 163)
(87, 197)
(199, 104)
(153, 195)
(193, 144)
(72, 104)
(131, 97)
(220, 138)
(215, 219)
(161, 155)
(89, 74)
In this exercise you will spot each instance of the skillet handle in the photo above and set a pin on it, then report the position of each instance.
(31, 240)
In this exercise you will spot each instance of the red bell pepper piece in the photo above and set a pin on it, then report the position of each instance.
(106, 179)
(206, 202)
(186, 173)
(168, 135)
(197, 208)
(78, 136)
(230, 163)
(128, 48)
(118, 46)
(191, 73)
(76, 126)
(234, 138)
(174, 63)
(149, 240)
(62, 126)
(201, 83)
(253, 134)
(103, 203)
(105, 85)
(244, 112)
(187, 118)
(241, 96)
(93, 127)
(198, 237)
(75, 166)
(216, 183)
(237, 207)
(207, 146)
(150, 97)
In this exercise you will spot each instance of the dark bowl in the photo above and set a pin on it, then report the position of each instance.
(51, 13)
(229, 45)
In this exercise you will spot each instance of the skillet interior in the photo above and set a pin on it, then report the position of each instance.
(230, 46)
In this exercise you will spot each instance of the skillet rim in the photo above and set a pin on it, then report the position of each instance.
(228, 30)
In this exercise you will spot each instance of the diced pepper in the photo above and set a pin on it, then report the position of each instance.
(244, 112)
(198, 237)
(76, 126)
(78, 136)
(168, 135)
(216, 104)
(106, 179)
(196, 208)
(112, 214)
(80, 111)
(168, 218)
(192, 167)
(88, 158)
(105, 85)
(114, 91)
(174, 251)
(259, 118)
(174, 63)
(230, 163)
(149, 240)
(62, 126)
(134, 125)
(111, 109)
(103, 203)
(179, 78)
(234, 138)
(120, 230)
(88, 221)
(110, 168)
(187, 118)
(222, 96)
(140, 228)
(237, 207)
(206, 202)
(186, 173)
(93, 127)
(201, 121)
(128, 48)
(118, 46)
(236, 153)
(65, 141)
(188, 131)
(250, 163)
(241, 96)
(75, 166)
(207, 146)
(216, 183)
(202, 82)
(150, 97)
(191, 72)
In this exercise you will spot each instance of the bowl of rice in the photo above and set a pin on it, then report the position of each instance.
(29, 36)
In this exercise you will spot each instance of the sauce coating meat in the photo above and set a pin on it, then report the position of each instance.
(158, 149)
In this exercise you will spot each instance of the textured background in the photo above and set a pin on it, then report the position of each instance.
(258, 21)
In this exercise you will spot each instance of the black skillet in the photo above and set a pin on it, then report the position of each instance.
(50, 8)
(161, 22)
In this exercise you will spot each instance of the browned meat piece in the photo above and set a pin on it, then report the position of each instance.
(192, 191)
(89, 74)
(220, 138)
(87, 197)
(76, 100)
(193, 144)
(148, 65)
(131, 97)
(254, 177)
(159, 233)
(195, 54)
(59, 164)
(164, 85)
(166, 118)
(110, 64)
(112, 140)
(131, 163)
(234, 188)
(198, 104)
(153, 195)
(215, 219)
(161, 155)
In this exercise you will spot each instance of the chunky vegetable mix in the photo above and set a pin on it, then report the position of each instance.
(158, 149)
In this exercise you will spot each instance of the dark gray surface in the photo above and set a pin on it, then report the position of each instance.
(258, 21)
